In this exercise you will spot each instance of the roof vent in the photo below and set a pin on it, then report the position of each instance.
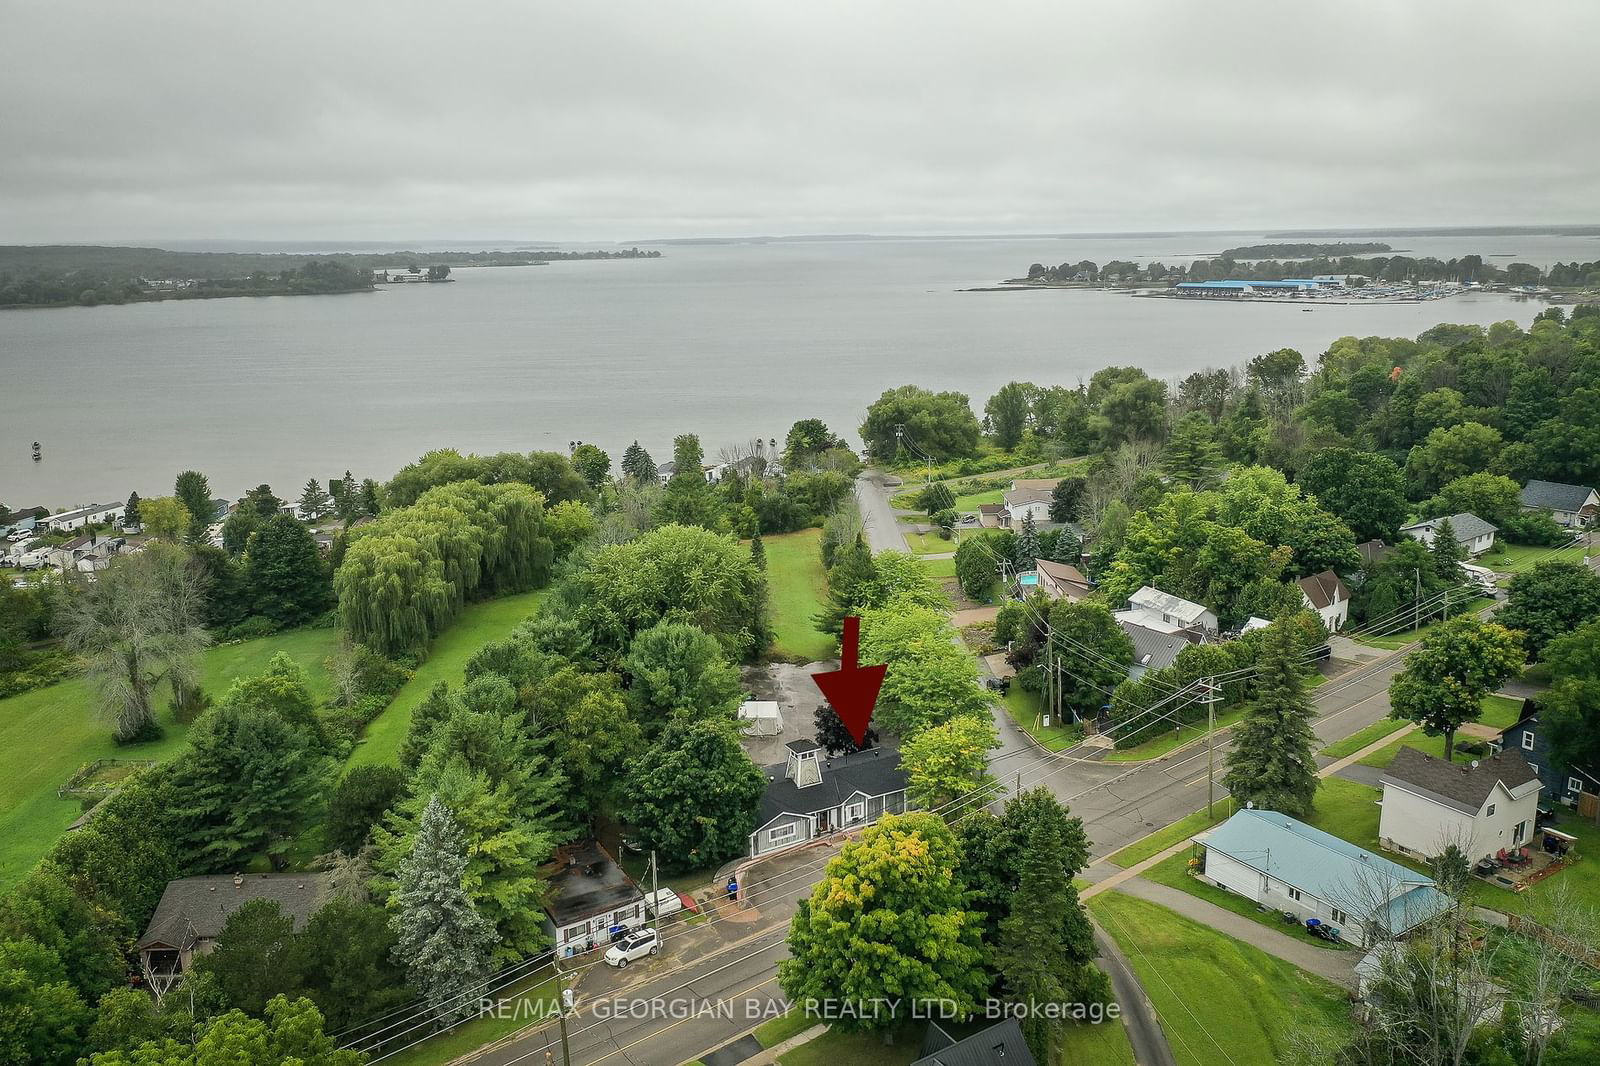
(1474, 764)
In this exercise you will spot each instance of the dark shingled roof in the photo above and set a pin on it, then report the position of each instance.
(1554, 495)
(875, 772)
(1463, 787)
(1373, 551)
(800, 747)
(576, 893)
(1466, 526)
(1324, 589)
(196, 908)
(1000, 1043)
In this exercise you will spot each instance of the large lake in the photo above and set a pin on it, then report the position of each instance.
(728, 341)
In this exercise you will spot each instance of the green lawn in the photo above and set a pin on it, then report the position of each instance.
(1498, 712)
(972, 500)
(1105, 1044)
(1162, 839)
(1394, 641)
(447, 660)
(47, 734)
(858, 1049)
(1362, 737)
(1515, 558)
(929, 543)
(940, 568)
(1213, 992)
(798, 586)
(772, 1033)
(1159, 746)
(1173, 871)
(520, 1006)
(1023, 706)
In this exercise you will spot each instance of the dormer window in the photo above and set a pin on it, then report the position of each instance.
(1527, 740)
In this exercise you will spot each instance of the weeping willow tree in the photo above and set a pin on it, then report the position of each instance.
(406, 576)
(137, 625)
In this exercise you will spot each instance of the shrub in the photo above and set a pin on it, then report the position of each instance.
(252, 628)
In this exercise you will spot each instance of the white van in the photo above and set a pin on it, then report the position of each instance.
(1480, 576)
(663, 902)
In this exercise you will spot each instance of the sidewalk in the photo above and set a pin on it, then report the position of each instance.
(1336, 966)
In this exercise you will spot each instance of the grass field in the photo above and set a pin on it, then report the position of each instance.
(1393, 641)
(447, 660)
(1162, 839)
(798, 586)
(972, 500)
(1515, 558)
(929, 544)
(1023, 706)
(865, 1049)
(1213, 992)
(47, 734)
(1499, 712)
(940, 568)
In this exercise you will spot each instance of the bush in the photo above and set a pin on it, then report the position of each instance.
(40, 669)
(1536, 528)
(252, 628)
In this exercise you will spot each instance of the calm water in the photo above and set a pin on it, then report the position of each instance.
(729, 341)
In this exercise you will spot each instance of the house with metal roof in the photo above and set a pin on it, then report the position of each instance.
(1154, 649)
(1569, 505)
(1484, 808)
(1282, 863)
(1470, 531)
(192, 912)
(809, 796)
(79, 517)
(1166, 613)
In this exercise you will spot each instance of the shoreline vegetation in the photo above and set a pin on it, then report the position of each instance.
(54, 276)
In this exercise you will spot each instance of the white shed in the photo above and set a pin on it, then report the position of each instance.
(761, 718)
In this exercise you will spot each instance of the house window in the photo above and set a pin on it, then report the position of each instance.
(1490, 811)
(782, 834)
(1574, 784)
(1294, 894)
(1527, 740)
(855, 812)
(1340, 916)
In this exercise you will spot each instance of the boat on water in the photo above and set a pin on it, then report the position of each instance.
(38, 453)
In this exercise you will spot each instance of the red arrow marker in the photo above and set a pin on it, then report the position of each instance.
(852, 689)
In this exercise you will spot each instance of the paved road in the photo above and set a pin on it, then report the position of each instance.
(882, 529)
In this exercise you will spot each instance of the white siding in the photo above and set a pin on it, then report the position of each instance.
(1423, 826)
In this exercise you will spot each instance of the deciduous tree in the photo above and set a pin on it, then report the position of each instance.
(950, 762)
(693, 795)
(285, 574)
(1550, 600)
(1445, 680)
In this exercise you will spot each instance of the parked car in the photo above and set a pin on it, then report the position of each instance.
(633, 946)
(663, 902)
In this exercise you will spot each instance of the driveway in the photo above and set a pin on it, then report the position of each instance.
(878, 521)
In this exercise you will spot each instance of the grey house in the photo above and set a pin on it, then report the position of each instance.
(1569, 505)
(810, 796)
(193, 911)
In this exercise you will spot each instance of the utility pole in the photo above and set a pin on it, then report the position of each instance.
(1211, 731)
(655, 899)
(1416, 608)
(561, 1014)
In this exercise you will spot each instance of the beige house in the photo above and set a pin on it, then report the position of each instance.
(1486, 807)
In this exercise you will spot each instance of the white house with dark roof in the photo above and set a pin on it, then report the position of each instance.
(193, 911)
(1471, 532)
(1485, 807)
(591, 896)
(810, 796)
(1327, 595)
(1569, 505)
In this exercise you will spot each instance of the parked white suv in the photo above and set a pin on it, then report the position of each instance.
(663, 902)
(633, 946)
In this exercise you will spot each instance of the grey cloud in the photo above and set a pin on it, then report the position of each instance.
(629, 119)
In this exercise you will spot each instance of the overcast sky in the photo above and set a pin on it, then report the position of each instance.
(397, 120)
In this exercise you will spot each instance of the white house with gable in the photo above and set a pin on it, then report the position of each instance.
(1486, 807)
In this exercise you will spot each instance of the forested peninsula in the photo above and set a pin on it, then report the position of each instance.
(87, 275)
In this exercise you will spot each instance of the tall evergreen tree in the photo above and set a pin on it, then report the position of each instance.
(758, 552)
(1039, 960)
(1273, 762)
(285, 574)
(130, 513)
(444, 943)
(637, 464)
(1448, 554)
(853, 571)
(194, 492)
(371, 497)
(315, 503)
(1192, 455)
(1027, 542)
(262, 501)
